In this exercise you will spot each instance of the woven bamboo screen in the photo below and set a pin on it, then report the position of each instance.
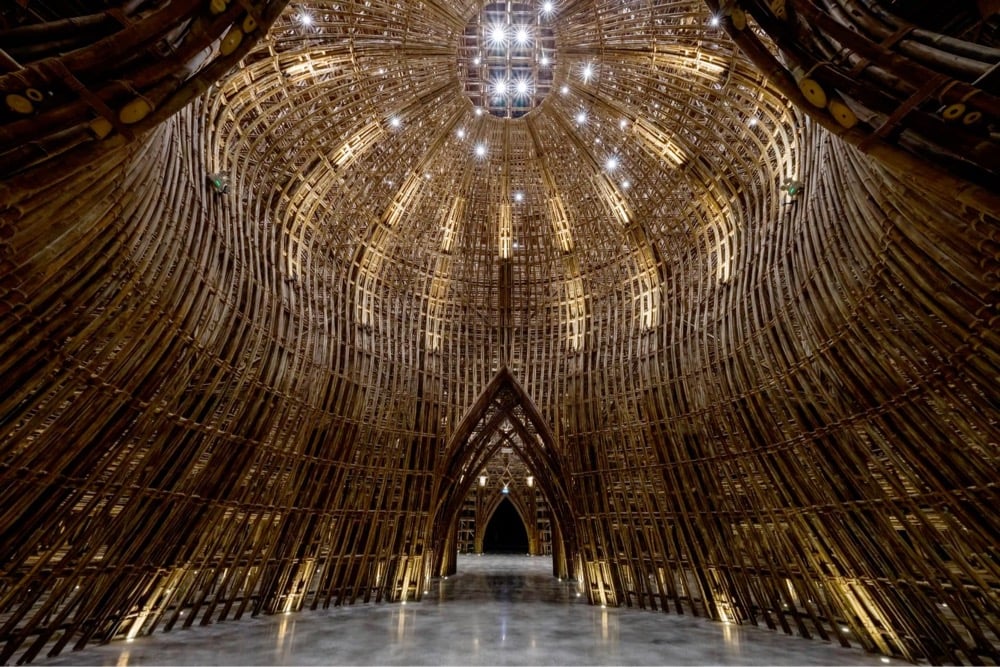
(254, 360)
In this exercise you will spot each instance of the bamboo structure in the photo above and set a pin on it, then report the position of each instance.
(724, 284)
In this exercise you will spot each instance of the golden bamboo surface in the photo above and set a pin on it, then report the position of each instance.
(257, 348)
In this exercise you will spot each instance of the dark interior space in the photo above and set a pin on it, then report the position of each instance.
(505, 533)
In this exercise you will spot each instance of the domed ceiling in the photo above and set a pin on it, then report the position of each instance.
(419, 146)
(737, 352)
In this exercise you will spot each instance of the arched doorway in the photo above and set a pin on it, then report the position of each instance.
(505, 532)
(503, 420)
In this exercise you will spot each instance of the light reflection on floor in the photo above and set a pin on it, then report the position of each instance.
(498, 610)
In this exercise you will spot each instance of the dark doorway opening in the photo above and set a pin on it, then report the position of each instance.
(505, 533)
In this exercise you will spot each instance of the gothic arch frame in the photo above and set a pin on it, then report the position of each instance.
(469, 450)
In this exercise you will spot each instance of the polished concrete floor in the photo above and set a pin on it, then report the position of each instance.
(498, 610)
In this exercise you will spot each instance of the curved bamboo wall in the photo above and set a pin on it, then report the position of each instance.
(763, 407)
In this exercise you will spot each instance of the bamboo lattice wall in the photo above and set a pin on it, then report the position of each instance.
(747, 342)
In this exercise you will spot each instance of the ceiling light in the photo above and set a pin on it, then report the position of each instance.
(611, 164)
(581, 118)
(480, 150)
(714, 21)
(305, 18)
(460, 133)
(622, 124)
(545, 60)
(498, 35)
(479, 111)
(548, 7)
(395, 122)
(588, 72)
(626, 184)
(477, 60)
(500, 87)
(521, 86)
(752, 122)
(522, 37)
(518, 196)
(564, 90)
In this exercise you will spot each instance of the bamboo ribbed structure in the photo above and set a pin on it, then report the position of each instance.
(745, 343)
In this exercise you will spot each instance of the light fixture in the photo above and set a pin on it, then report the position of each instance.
(500, 87)
(622, 124)
(395, 122)
(505, 490)
(521, 36)
(547, 7)
(793, 188)
(479, 111)
(519, 197)
(521, 86)
(305, 18)
(477, 60)
(588, 72)
(545, 61)
(626, 184)
(752, 122)
(611, 164)
(460, 133)
(482, 480)
(498, 35)
(219, 181)
(564, 90)
(531, 481)
(581, 118)
(714, 21)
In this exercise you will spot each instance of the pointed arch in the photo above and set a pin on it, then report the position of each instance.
(505, 408)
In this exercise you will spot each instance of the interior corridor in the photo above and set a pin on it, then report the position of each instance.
(498, 610)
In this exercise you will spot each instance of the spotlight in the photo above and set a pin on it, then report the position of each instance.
(521, 36)
(480, 150)
(219, 182)
(498, 35)
(611, 164)
(395, 122)
(714, 21)
(581, 118)
(547, 7)
(793, 188)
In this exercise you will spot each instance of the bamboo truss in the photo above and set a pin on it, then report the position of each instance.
(745, 343)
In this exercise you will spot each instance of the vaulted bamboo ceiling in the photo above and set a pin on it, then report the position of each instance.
(724, 275)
